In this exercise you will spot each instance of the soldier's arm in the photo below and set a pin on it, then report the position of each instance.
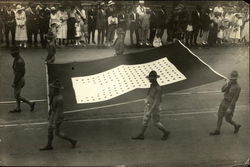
(226, 87)
(235, 96)
(19, 71)
(157, 98)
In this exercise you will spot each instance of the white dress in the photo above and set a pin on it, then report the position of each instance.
(21, 30)
(235, 31)
(62, 28)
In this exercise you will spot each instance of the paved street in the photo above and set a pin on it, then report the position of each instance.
(104, 133)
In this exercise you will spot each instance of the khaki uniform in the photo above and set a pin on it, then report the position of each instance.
(227, 106)
(152, 107)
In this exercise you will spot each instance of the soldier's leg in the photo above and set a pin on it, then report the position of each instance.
(63, 136)
(145, 121)
(221, 112)
(158, 124)
(229, 119)
(17, 92)
(50, 139)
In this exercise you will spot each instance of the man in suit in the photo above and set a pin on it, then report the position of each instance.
(133, 25)
(231, 94)
(101, 21)
(92, 23)
(19, 81)
(10, 25)
(196, 22)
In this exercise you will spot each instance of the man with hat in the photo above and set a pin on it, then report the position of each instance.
(19, 82)
(152, 107)
(231, 94)
(51, 47)
(56, 116)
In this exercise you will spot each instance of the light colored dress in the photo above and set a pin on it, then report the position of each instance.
(21, 29)
(236, 28)
(62, 28)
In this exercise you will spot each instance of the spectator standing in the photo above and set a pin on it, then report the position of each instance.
(62, 28)
(112, 25)
(162, 20)
(9, 25)
(44, 18)
(51, 48)
(218, 10)
(227, 23)
(21, 29)
(71, 30)
(145, 27)
(141, 11)
(205, 22)
(133, 26)
(196, 15)
(236, 28)
(78, 33)
(101, 23)
(189, 32)
(122, 21)
(32, 24)
(153, 21)
(213, 30)
(92, 24)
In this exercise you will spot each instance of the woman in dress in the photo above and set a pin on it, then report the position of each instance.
(245, 30)
(21, 30)
(63, 28)
(71, 31)
(236, 28)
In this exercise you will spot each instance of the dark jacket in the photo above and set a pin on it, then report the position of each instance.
(9, 19)
(18, 69)
(101, 19)
(92, 18)
(196, 19)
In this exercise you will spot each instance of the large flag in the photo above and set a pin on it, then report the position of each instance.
(123, 78)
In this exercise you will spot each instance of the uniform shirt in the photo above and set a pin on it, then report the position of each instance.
(154, 95)
(57, 109)
(18, 69)
(231, 92)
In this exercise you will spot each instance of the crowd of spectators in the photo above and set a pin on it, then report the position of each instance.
(78, 24)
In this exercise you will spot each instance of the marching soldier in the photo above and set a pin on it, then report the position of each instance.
(19, 82)
(152, 107)
(56, 116)
(231, 94)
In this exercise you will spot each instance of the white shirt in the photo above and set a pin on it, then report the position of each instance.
(141, 10)
(112, 20)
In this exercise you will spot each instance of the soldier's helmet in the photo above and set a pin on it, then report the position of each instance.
(14, 50)
(153, 75)
(234, 75)
(56, 84)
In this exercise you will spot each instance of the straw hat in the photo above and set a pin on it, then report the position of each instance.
(110, 3)
(152, 75)
(19, 7)
(141, 2)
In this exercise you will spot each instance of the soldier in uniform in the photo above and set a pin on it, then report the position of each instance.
(19, 82)
(56, 116)
(231, 94)
(152, 108)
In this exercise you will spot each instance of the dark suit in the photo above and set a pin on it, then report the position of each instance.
(101, 22)
(44, 17)
(32, 25)
(196, 21)
(91, 24)
(133, 27)
(10, 26)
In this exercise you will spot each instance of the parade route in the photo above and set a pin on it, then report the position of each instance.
(104, 134)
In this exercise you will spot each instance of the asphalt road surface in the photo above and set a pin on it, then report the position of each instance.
(104, 133)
